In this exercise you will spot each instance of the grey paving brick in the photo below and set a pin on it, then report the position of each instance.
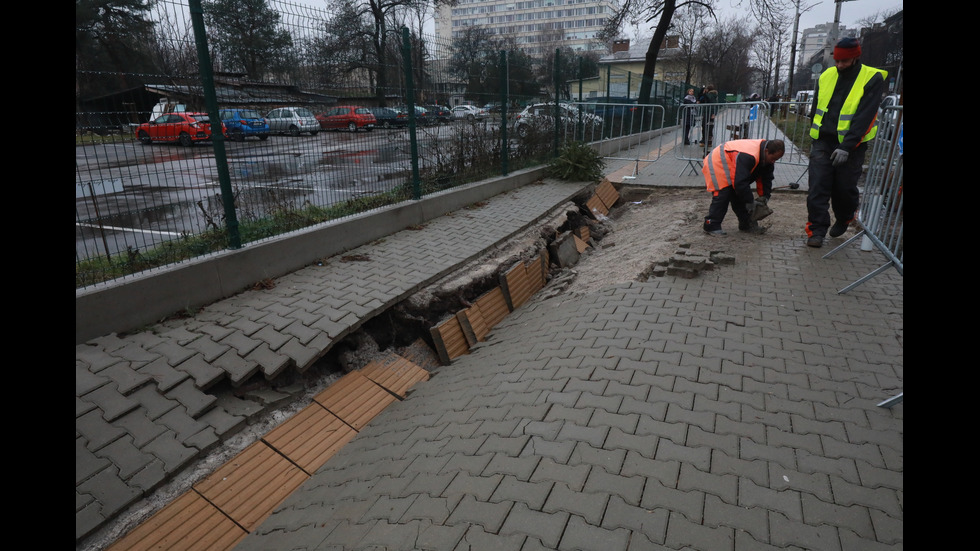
(530, 494)
(787, 531)
(585, 536)
(690, 504)
(572, 476)
(545, 527)
(722, 513)
(886, 500)
(683, 533)
(479, 487)
(722, 485)
(96, 431)
(112, 403)
(490, 516)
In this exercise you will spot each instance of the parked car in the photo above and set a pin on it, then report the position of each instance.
(438, 114)
(183, 128)
(243, 123)
(293, 121)
(541, 116)
(350, 117)
(422, 115)
(492, 108)
(388, 117)
(469, 113)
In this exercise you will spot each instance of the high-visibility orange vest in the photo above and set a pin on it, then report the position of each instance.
(719, 165)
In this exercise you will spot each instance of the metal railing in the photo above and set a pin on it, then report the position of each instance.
(881, 216)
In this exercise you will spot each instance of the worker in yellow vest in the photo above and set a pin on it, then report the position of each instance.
(844, 118)
(730, 171)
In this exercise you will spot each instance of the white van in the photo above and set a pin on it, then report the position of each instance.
(802, 99)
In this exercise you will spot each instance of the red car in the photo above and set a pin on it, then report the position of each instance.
(351, 117)
(183, 128)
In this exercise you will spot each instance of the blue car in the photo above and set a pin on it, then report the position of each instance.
(242, 123)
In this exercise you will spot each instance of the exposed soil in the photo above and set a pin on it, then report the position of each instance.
(649, 225)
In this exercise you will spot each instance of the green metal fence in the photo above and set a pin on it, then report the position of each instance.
(157, 183)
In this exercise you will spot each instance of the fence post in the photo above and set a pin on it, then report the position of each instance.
(217, 136)
(504, 99)
(557, 106)
(580, 128)
(410, 104)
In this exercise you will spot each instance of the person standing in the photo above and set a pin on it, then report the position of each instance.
(729, 172)
(844, 118)
(708, 96)
(689, 99)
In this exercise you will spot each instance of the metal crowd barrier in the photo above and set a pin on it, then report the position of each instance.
(721, 122)
(630, 126)
(881, 216)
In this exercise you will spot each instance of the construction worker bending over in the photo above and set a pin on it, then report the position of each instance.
(729, 172)
(844, 118)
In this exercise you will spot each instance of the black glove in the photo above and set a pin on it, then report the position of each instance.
(839, 157)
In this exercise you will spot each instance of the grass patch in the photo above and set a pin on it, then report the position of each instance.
(102, 269)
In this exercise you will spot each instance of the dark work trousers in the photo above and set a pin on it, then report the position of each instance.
(688, 122)
(832, 187)
(719, 207)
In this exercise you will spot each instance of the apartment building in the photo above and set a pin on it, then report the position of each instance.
(816, 41)
(535, 25)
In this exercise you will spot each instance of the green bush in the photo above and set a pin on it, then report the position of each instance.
(577, 162)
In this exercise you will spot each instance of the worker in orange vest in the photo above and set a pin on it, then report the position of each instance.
(729, 172)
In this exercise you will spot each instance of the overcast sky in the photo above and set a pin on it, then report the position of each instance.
(822, 11)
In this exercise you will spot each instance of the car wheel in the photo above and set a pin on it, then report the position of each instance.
(522, 131)
(237, 136)
(386, 125)
(470, 118)
(264, 137)
(352, 127)
(314, 132)
(293, 131)
(145, 138)
(185, 139)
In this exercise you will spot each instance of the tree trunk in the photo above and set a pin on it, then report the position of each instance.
(650, 66)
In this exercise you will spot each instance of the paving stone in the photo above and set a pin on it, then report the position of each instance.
(586, 536)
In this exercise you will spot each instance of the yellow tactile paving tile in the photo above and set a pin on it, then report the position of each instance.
(475, 328)
(355, 399)
(189, 523)
(596, 206)
(493, 306)
(450, 340)
(607, 193)
(251, 485)
(310, 437)
(517, 285)
(395, 373)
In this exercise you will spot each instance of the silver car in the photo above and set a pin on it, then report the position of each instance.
(293, 121)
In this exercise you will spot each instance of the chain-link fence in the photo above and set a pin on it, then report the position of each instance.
(321, 117)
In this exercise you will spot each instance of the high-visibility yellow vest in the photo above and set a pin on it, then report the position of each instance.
(719, 166)
(828, 80)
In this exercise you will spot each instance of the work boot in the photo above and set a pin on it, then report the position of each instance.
(815, 241)
(838, 229)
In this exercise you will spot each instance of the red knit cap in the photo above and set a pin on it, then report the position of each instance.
(847, 48)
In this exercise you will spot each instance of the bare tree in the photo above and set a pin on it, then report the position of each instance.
(661, 11)
(726, 51)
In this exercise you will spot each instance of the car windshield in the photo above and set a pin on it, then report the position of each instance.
(301, 112)
(201, 118)
(362, 111)
(251, 114)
